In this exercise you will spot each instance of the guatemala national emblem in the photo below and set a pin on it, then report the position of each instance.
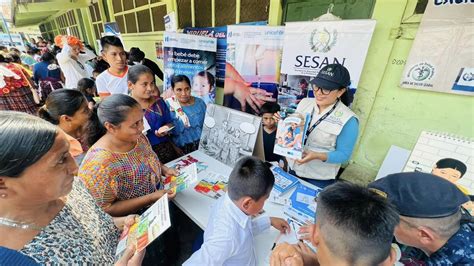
(322, 40)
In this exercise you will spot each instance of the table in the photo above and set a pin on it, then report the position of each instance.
(198, 206)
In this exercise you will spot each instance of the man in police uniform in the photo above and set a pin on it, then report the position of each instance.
(430, 219)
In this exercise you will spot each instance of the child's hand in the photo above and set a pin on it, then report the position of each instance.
(163, 131)
(276, 117)
(280, 224)
(306, 232)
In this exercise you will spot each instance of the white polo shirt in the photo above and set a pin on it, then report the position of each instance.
(109, 83)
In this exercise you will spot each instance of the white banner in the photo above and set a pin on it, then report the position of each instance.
(441, 58)
(187, 41)
(309, 46)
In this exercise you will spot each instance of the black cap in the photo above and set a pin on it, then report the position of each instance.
(420, 195)
(332, 77)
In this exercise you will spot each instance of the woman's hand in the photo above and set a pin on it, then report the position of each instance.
(130, 258)
(276, 117)
(160, 193)
(163, 131)
(125, 221)
(169, 171)
(311, 155)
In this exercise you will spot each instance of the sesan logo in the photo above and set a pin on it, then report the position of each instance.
(321, 40)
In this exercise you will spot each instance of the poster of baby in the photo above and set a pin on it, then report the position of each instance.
(192, 59)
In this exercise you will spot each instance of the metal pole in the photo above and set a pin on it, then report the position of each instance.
(8, 30)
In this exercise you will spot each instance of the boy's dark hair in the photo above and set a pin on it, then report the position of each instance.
(107, 41)
(453, 164)
(251, 177)
(356, 223)
(101, 66)
(84, 84)
(269, 107)
(47, 57)
(135, 55)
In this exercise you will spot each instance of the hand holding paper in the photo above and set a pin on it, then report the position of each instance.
(280, 224)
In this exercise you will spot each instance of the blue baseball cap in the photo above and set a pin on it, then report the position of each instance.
(332, 77)
(420, 195)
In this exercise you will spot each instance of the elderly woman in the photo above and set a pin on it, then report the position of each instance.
(45, 213)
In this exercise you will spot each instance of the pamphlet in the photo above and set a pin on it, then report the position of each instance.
(283, 180)
(185, 161)
(148, 226)
(214, 185)
(291, 135)
(187, 177)
(303, 205)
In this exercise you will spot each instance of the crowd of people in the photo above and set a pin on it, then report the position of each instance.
(85, 140)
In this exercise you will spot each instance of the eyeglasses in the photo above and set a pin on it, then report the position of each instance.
(323, 91)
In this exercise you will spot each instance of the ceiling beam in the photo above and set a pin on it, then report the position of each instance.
(50, 6)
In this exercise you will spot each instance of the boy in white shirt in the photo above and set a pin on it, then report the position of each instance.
(113, 80)
(229, 235)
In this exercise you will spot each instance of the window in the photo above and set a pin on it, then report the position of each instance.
(48, 30)
(224, 13)
(97, 22)
(68, 20)
(139, 16)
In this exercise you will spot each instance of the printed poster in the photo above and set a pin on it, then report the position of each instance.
(220, 33)
(252, 66)
(228, 135)
(148, 226)
(194, 57)
(309, 46)
(441, 58)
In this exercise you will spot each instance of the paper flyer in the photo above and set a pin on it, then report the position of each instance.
(193, 57)
(149, 226)
(291, 135)
(188, 160)
(283, 180)
(214, 185)
(187, 177)
(303, 205)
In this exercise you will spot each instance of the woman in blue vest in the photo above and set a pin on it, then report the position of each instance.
(333, 129)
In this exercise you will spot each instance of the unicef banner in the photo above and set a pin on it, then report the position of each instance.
(442, 53)
(194, 57)
(309, 46)
(252, 66)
